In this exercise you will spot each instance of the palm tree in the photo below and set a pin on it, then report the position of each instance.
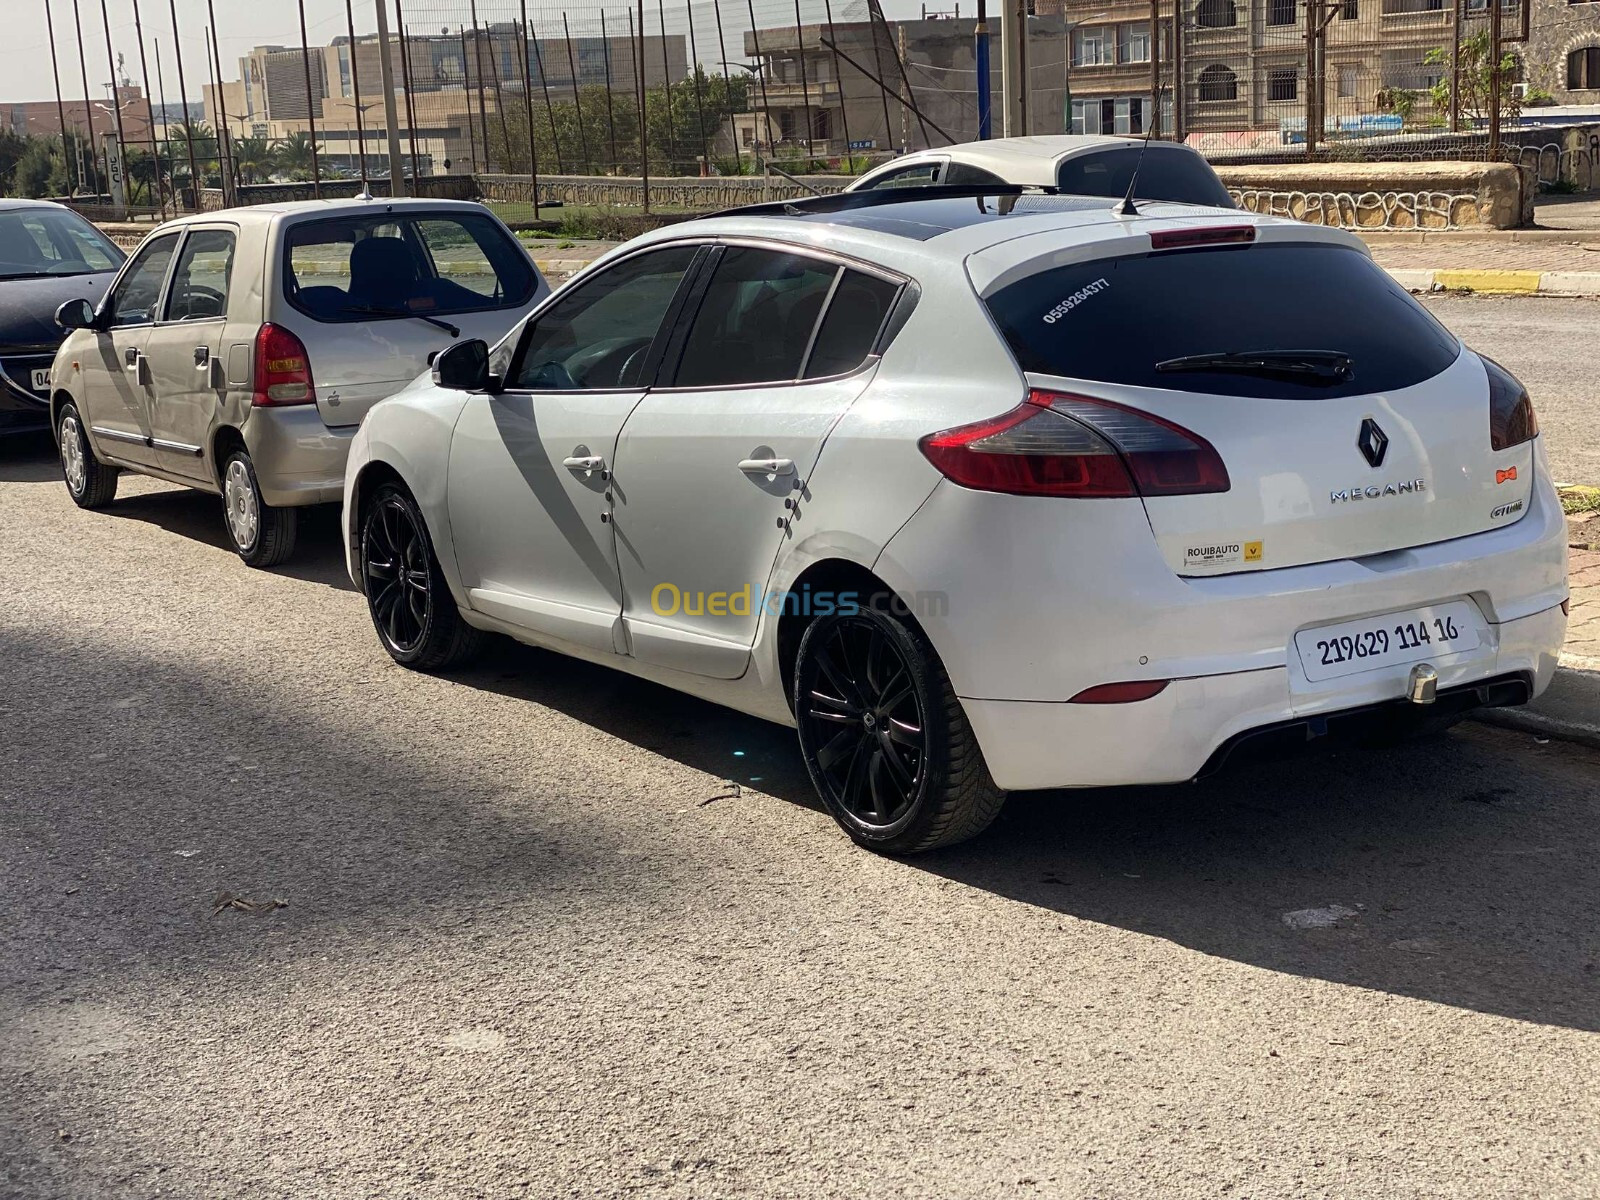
(254, 158)
(205, 146)
(294, 153)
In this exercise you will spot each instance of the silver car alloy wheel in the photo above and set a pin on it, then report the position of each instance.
(242, 505)
(72, 463)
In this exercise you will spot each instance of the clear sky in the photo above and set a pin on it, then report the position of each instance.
(25, 48)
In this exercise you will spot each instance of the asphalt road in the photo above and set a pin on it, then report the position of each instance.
(533, 945)
(1551, 345)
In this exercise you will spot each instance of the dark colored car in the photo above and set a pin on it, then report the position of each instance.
(48, 254)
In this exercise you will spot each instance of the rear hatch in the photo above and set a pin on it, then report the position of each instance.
(1349, 421)
(374, 292)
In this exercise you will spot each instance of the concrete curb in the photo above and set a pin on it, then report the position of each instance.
(1568, 711)
(1501, 283)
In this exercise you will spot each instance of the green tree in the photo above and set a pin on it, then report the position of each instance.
(1476, 79)
(254, 158)
(294, 153)
(35, 169)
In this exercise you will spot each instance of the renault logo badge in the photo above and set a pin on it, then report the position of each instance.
(1372, 442)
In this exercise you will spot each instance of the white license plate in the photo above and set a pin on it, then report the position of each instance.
(41, 380)
(1371, 643)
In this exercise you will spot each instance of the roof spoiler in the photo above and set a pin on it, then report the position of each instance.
(848, 201)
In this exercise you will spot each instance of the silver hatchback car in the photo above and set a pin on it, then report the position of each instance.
(237, 351)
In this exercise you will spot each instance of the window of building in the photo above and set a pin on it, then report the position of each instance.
(1218, 83)
(1283, 83)
(1583, 69)
(1216, 14)
(1350, 10)
(1133, 42)
(1281, 12)
(1349, 77)
(1091, 47)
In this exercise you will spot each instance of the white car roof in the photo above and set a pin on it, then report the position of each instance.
(913, 232)
(1024, 160)
(322, 208)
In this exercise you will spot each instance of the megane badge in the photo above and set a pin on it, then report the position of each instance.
(1372, 442)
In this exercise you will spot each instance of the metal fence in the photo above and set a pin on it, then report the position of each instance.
(739, 87)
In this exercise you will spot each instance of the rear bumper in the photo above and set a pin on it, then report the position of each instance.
(298, 459)
(1196, 724)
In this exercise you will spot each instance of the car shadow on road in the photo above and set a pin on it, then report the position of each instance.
(29, 458)
(1457, 869)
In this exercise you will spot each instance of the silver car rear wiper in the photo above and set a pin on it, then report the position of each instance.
(1333, 366)
(401, 312)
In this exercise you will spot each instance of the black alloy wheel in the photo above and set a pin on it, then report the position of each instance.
(884, 738)
(411, 606)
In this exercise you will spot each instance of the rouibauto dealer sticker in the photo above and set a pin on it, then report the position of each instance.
(1222, 554)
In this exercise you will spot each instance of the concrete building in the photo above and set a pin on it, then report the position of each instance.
(1563, 52)
(806, 97)
(42, 118)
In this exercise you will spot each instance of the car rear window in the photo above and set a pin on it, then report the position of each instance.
(1113, 320)
(1167, 173)
(371, 266)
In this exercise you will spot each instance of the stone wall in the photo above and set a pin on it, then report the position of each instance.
(1426, 195)
(435, 187)
(692, 193)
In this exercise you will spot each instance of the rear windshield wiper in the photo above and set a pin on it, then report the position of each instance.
(375, 311)
(1309, 366)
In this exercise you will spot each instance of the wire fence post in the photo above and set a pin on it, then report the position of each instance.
(727, 84)
(644, 122)
(499, 100)
(883, 92)
(61, 108)
(527, 105)
(1495, 50)
(577, 104)
(355, 88)
(405, 76)
(764, 133)
(183, 99)
(483, 108)
(805, 88)
(699, 98)
(466, 92)
(666, 89)
(149, 110)
(166, 126)
(544, 86)
(838, 80)
(611, 118)
(88, 100)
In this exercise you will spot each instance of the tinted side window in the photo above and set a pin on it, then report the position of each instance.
(1114, 320)
(200, 284)
(599, 334)
(134, 302)
(756, 320)
(850, 327)
(916, 175)
(1167, 173)
(960, 174)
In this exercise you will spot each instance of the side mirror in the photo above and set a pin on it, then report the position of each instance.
(464, 367)
(75, 314)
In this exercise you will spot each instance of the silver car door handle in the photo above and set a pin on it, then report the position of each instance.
(130, 356)
(584, 462)
(202, 357)
(767, 466)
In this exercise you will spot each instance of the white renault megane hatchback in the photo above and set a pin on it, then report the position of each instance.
(981, 492)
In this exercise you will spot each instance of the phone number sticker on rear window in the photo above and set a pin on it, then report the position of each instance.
(1077, 298)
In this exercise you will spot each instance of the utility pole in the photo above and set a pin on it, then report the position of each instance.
(1319, 15)
(1153, 125)
(1014, 68)
(981, 52)
(397, 175)
(1455, 65)
(1180, 94)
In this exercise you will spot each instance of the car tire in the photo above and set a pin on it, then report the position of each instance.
(262, 534)
(884, 738)
(90, 482)
(412, 610)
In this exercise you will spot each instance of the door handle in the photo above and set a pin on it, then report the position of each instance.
(130, 356)
(584, 462)
(202, 357)
(767, 466)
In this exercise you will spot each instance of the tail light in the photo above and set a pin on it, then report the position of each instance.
(1059, 445)
(1217, 235)
(1130, 692)
(1511, 417)
(283, 372)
